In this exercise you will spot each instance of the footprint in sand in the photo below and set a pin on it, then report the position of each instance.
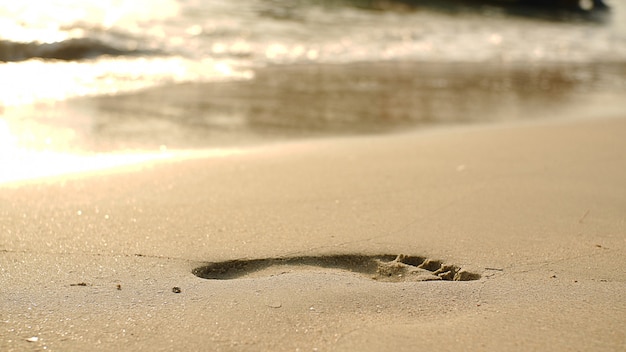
(388, 268)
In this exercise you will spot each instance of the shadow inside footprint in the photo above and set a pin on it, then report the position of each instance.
(389, 268)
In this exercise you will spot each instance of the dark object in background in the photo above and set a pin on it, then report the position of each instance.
(572, 5)
(584, 5)
(560, 10)
(69, 50)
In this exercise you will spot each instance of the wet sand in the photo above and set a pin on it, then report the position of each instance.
(106, 261)
(291, 102)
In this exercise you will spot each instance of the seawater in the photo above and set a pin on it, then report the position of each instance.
(111, 46)
(109, 76)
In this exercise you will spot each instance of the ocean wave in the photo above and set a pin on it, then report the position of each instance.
(72, 49)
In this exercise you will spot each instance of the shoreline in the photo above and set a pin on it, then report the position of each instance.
(80, 164)
(291, 102)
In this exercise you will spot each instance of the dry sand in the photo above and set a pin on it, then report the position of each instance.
(537, 210)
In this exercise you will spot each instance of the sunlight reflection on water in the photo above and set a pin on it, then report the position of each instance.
(36, 81)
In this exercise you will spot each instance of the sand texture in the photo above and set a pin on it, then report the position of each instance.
(493, 238)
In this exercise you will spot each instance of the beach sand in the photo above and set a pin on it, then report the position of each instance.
(106, 261)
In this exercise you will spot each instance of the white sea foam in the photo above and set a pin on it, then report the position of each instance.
(137, 44)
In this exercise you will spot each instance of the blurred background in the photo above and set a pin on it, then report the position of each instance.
(109, 76)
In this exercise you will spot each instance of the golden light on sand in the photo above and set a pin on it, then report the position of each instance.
(28, 165)
(25, 165)
(21, 163)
